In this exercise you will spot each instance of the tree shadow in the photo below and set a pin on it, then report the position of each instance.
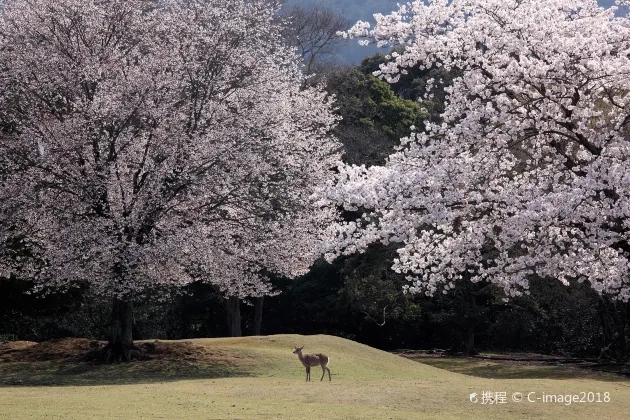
(61, 363)
(493, 369)
(67, 373)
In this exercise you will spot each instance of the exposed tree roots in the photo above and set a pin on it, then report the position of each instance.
(109, 354)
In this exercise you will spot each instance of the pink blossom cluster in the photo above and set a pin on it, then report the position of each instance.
(148, 144)
(528, 171)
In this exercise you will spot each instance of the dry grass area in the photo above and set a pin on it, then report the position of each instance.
(30, 351)
(260, 378)
(73, 349)
(59, 362)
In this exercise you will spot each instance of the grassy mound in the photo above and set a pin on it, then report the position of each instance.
(260, 378)
(273, 356)
(58, 362)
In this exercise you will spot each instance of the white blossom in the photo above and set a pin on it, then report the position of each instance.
(152, 144)
(528, 171)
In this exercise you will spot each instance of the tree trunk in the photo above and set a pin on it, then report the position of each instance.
(121, 341)
(620, 321)
(470, 339)
(470, 322)
(233, 306)
(614, 321)
(471, 317)
(258, 308)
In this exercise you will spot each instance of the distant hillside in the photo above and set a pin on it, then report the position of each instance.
(356, 10)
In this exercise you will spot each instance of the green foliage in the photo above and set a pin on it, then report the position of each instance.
(8, 337)
(376, 291)
(554, 319)
(374, 117)
(29, 316)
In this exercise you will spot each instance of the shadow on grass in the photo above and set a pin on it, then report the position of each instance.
(59, 363)
(516, 370)
(69, 373)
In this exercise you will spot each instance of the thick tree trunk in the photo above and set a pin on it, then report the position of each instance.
(470, 316)
(233, 306)
(120, 344)
(120, 347)
(258, 311)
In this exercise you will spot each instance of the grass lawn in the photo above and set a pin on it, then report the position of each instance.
(260, 378)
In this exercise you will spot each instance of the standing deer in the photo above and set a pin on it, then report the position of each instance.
(309, 360)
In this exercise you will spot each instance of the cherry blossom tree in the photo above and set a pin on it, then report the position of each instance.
(528, 171)
(150, 144)
(285, 246)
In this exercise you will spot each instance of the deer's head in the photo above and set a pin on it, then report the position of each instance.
(297, 349)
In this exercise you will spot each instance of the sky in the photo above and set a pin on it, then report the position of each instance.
(356, 10)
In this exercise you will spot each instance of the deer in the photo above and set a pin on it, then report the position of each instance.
(309, 360)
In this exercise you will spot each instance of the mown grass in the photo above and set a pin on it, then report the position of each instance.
(259, 378)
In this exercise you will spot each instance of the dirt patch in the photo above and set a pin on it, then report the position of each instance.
(75, 348)
(64, 362)
(59, 349)
(6, 346)
(187, 351)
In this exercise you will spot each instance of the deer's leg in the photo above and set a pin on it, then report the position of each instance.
(308, 373)
(329, 378)
(323, 372)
